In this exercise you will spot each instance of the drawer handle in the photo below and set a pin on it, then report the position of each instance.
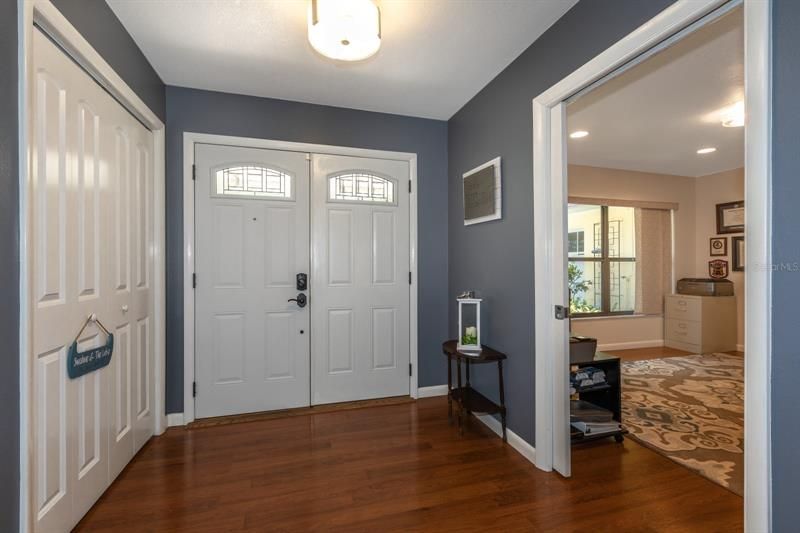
(682, 326)
(682, 302)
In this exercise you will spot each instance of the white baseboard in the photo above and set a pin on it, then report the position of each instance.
(656, 343)
(429, 392)
(518, 443)
(175, 419)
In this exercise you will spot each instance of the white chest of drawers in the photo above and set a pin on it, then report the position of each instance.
(700, 324)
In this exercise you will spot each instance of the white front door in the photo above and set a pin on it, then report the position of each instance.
(252, 240)
(256, 345)
(360, 282)
(90, 205)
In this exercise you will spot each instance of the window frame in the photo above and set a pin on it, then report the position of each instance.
(605, 268)
(579, 238)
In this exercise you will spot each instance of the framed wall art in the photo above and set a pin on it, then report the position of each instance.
(483, 193)
(730, 217)
(718, 246)
(737, 243)
(718, 269)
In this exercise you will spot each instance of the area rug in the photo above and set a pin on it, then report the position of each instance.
(690, 409)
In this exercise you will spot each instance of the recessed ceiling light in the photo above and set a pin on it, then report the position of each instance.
(733, 116)
(708, 150)
(347, 30)
(580, 134)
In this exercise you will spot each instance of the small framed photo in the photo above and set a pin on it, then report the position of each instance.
(718, 246)
(737, 243)
(483, 193)
(730, 217)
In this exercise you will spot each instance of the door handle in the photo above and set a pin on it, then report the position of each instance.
(301, 300)
(124, 308)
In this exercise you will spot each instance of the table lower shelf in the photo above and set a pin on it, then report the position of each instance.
(473, 400)
(577, 436)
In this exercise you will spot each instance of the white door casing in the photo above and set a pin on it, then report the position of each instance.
(252, 342)
(360, 284)
(85, 430)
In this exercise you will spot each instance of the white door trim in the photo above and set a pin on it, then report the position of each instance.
(45, 15)
(189, 140)
(549, 185)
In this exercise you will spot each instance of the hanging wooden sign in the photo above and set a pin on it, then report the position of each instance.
(81, 363)
(718, 269)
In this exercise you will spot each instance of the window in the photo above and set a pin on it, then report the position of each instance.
(254, 182)
(601, 273)
(575, 242)
(360, 187)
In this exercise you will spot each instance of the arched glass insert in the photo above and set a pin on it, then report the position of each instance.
(253, 181)
(360, 187)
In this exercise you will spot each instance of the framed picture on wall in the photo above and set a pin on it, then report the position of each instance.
(730, 217)
(737, 243)
(483, 193)
(718, 246)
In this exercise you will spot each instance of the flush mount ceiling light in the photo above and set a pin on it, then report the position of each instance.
(580, 134)
(733, 116)
(346, 30)
(708, 150)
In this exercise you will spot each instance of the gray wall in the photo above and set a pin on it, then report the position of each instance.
(9, 270)
(247, 116)
(101, 27)
(496, 258)
(786, 257)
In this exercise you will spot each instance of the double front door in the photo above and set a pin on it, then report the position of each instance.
(302, 285)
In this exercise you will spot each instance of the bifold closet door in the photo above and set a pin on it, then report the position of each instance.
(91, 237)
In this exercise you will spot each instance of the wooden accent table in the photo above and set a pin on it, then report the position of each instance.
(467, 399)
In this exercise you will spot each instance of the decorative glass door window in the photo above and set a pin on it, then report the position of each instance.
(360, 187)
(253, 181)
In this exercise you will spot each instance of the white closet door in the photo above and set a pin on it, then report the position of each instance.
(252, 343)
(78, 173)
(360, 283)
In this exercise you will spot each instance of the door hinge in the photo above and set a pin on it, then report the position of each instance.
(194, 280)
(409, 277)
(409, 186)
(194, 389)
(194, 172)
(561, 312)
(410, 370)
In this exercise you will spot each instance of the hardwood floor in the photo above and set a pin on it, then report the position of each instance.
(642, 354)
(397, 468)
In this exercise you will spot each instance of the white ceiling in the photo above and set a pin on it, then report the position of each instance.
(435, 54)
(655, 116)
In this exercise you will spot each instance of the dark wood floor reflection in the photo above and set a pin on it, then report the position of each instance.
(397, 468)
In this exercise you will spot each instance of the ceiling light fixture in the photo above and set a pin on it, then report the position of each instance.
(580, 134)
(733, 116)
(708, 150)
(346, 30)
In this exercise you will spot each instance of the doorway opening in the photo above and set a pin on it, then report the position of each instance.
(655, 276)
(551, 200)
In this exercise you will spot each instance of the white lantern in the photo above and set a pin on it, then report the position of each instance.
(469, 324)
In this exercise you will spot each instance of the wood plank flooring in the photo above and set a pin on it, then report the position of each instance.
(659, 352)
(397, 468)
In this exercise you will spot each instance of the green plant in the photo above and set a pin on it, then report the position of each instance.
(577, 288)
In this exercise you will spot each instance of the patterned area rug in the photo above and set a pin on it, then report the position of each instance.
(690, 409)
